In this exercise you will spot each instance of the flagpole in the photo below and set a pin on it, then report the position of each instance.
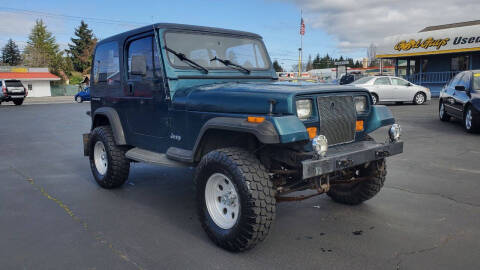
(301, 49)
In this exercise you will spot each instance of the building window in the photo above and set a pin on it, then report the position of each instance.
(30, 87)
(460, 63)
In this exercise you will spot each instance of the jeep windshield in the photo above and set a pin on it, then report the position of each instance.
(206, 49)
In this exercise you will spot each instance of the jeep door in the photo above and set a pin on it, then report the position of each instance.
(148, 114)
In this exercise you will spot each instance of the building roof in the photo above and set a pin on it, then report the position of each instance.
(31, 76)
(450, 25)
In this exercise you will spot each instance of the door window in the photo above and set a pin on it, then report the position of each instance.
(144, 47)
(383, 81)
(400, 82)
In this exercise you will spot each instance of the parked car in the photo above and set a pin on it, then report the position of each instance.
(390, 88)
(83, 95)
(209, 98)
(13, 90)
(460, 99)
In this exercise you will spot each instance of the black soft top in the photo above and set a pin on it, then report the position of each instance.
(173, 26)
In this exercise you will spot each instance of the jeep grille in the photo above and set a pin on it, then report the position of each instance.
(337, 118)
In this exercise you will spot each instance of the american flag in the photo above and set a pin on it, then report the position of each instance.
(302, 27)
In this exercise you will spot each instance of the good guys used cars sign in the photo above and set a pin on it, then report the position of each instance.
(460, 39)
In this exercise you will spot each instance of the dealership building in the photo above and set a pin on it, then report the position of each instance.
(434, 55)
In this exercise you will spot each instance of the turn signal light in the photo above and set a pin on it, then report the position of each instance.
(312, 132)
(255, 119)
(359, 125)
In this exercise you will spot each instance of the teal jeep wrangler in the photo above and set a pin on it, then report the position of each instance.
(208, 98)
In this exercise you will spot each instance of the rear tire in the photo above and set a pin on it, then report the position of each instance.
(109, 165)
(18, 102)
(79, 99)
(442, 113)
(356, 193)
(254, 198)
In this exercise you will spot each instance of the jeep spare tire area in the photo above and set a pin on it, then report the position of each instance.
(235, 198)
(372, 177)
(109, 165)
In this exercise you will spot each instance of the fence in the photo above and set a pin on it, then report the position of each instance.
(432, 77)
(64, 90)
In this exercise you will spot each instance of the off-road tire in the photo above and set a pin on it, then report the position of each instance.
(356, 193)
(118, 165)
(18, 102)
(416, 102)
(256, 198)
(443, 117)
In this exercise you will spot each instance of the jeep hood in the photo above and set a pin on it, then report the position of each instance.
(253, 97)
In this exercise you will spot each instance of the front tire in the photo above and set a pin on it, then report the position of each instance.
(356, 193)
(374, 99)
(18, 102)
(79, 99)
(235, 198)
(109, 165)
(470, 123)
(419, 98)
(442, 113)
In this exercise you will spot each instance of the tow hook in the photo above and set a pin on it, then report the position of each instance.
(344, 163)
(382, 154)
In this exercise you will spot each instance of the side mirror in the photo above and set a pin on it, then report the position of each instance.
(460, 88)
(409, 84)
(139, 65)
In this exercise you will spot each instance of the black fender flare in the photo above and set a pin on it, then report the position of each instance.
(115, 123)
(265, 132)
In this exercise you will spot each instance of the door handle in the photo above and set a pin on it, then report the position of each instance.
(130, 88)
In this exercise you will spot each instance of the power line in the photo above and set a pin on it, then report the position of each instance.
(47, 14)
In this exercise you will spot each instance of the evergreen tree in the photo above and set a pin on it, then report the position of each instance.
(11, 54)
(277, 66)
(82, 48)
(42, 50)
(309, 63)
(41, 46)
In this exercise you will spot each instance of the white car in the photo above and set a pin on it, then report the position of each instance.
(390, 88)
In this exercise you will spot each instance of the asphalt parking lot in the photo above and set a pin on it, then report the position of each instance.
(54, 216)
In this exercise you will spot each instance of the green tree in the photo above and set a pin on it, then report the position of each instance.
(82, 48)
(42, 50)
(11, 54)
(309, 63)
(277, 66)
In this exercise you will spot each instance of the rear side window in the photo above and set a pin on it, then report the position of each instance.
(383, 81)
(13, 84)
(106, 64)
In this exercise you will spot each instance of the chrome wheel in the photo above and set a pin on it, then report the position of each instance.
(374, 99)
(100, 158)
(419, 98)
(79, 99)
(468, 119)
(222, 201)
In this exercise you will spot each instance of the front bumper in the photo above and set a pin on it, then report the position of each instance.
(349, 155)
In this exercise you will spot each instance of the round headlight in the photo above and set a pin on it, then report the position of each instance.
(361, 104)
(320, 145)
(304, 108)
(395, 132)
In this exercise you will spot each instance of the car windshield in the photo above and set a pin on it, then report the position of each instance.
(249, 53)
(363, 80)
(476, 81)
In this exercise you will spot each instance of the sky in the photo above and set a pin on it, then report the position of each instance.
(338, 27)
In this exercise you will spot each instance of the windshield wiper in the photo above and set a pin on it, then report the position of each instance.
(229, 63)
(184, 58)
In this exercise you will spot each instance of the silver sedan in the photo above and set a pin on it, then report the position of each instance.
(390, 88)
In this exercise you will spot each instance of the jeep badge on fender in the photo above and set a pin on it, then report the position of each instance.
(191, 96)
